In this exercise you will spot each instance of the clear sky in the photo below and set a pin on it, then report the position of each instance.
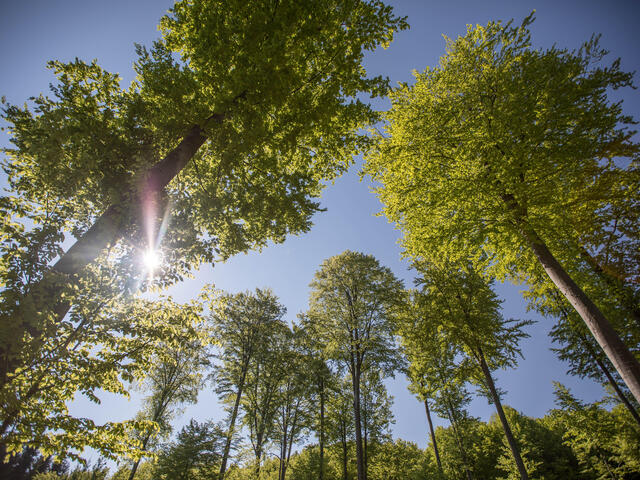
(35, 31)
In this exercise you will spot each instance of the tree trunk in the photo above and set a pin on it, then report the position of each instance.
(456, 434)
(612, 381)
(515, 451)
(355, 378)
(44, 297)
(321, 440)
(345, 473)
(625, 295)
(134, 468)
(433, 435)
(365, 436)
(617, 352)
(232, 422)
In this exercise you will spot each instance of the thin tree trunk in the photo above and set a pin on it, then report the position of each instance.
(456, 434)
(345, 473)
(433, 435)
(612, 381)
(365, 437)
(134, 468)
(513, 445)
(321, 440)
(622, 359)
(355, 377)
(232, 422)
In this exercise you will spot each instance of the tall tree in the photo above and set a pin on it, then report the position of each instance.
(322, 379)
(350, 304)
(176, 378)
(265, 376)
(294, 404)
(253, 104)
(427, 354)
(470, 314)
(242, 323)
(509, 155)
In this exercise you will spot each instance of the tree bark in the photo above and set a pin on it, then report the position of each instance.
(321, 440)
(232, 422)
(456, 433)
(513, 445)
(345, 473)
(612, 381)
(622, 292)
(622, 359)
(355, 378)
(433, 435)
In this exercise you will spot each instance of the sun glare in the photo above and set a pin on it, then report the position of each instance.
(151, 259)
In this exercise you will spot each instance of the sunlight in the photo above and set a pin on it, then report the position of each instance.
(151, 259)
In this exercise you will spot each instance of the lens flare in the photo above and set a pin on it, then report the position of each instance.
(151, 259)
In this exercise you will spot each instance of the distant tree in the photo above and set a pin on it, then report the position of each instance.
(195, 454)
(376, 414)
(266, 374)
(321, 378)
(176, 379)
(605, 443)
(397, 460)
(469, 311)
(351, 300)
(513, 156)
(242, 323)
(340, 422)
(294, 403)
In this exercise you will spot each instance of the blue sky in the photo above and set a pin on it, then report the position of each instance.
(35, 31)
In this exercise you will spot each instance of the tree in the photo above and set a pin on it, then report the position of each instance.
(427, 354)
(469, 313)
(265, 376)
(242, 323)
(195, 454)
(322, 379)
(605, 443)
(292, 417)
(340, 422)
(376, 414)
(176, 379)
(350, 303)
(253, 104)
(101, 347)
(509, 156)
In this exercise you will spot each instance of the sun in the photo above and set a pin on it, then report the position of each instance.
(151, 259)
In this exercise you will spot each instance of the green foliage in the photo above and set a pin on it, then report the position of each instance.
(194, 455)
(99, 347)
(606, 443)
(397, 460)
(272, 86)
(352, 297)
(500, 124)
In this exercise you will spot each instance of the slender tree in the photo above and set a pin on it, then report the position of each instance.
(261, 400)
(351, 300)
(470, 314)
(176, 379)
(242, 323)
